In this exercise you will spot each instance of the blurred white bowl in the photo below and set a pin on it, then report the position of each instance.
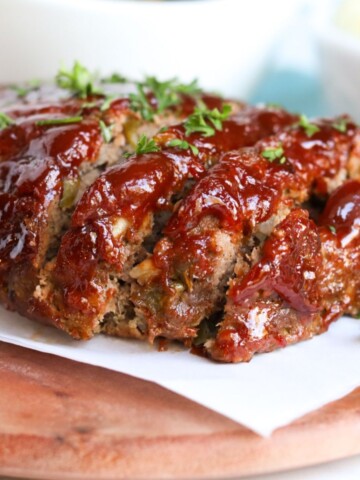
(223, 43)
(339, 58)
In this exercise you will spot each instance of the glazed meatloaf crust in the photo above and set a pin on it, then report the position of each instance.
(152, 210)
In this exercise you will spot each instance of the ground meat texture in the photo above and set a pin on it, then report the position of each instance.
(244, 195)
(116, 214)
(307, 277)
(43, 170)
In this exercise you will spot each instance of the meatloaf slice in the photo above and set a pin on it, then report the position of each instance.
(307, 277)
(120, 210)
(52, 146)
(226, 215)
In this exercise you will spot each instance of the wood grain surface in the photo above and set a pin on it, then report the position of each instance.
(65, 420)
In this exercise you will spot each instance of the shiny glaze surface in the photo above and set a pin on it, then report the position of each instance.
(307, 277)
(290, 260)
(145, 185)
(243, 190)
(34, 161)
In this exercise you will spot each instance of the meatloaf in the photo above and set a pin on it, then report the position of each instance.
(153, 210)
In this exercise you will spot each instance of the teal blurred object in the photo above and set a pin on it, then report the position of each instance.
(295, 90)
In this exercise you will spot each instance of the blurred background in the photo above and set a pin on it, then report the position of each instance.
(303, 54)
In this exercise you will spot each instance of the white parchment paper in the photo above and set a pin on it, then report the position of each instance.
(270, 391)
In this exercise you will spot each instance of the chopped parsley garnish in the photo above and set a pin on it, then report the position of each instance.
(89, 105)
(309, 128)
(140, 103)
(166, 94)
(21, 91)
(107, 102)
(274, 153)
(5, 120)
(79, 80)
(114, 78)
(183, 144)
(206, 121)
(106, 131)
(340, 125)
(59, 121)
(273, 105)
(146, 145)
(28, 87)
(191, 88)
(332, 229)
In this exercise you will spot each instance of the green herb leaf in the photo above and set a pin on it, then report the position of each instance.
(183, 144)
(59, 121)
(140, 103)
(332, 229)
(20, 91)
(274, 153)
(273, 105)
(340, 125)
(79, 80)
(106, 131)
(191, 88)
(167, 94)
(146, 145)
(206, 121)
(114, 78)
(89, 105)
(107, 102)
(5, 120)
(310, 128)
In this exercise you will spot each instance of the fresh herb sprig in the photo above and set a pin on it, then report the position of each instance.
(106, 131)
(206, 121)
(146, 145)
(309, 128)
(166, 94)
(114, 78)
(5, 120)
(332, 229)
(23, 90)
(78, 80)
(274, 153)
(59, 121)
(341, 125)
(184, 145)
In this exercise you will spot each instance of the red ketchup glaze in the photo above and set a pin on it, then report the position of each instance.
(241, 191)
(330, 287)
(290, 261)
(132, 189)
(146, 183)
(342, 210)
(319, 157)
(241, 188)
(34, 160)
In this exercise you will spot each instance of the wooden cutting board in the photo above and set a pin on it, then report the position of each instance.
(60, 419)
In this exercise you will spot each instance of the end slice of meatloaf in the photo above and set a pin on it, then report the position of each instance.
(120, 211)
(52, 146)
(226, 215)
(307, 277)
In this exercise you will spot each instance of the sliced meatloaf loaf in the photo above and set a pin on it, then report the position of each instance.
(117, 218)
(226, 216)
(152, 210)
